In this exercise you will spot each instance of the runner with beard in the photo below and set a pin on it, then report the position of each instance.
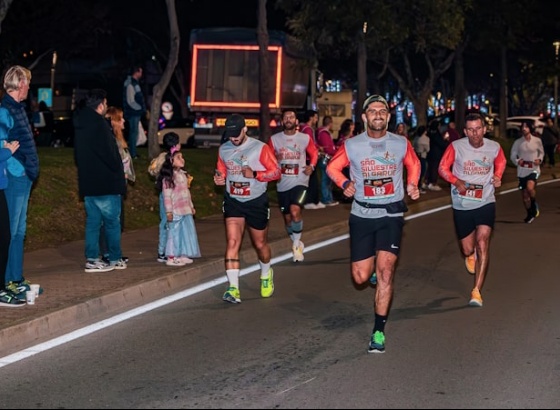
(377, 160)
(245, 166)
(292, 148)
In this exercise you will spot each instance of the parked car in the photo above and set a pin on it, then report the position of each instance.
(182, 127)
(513, 124)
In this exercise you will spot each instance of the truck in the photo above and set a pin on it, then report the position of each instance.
(225, 78)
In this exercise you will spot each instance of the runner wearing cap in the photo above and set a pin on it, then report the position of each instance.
(245, 166)
(377, 159)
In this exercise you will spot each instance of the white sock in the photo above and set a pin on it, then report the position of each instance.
(296, 238)
(265, 267)
(233, 277)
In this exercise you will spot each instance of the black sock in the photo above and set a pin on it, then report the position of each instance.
(379, 323)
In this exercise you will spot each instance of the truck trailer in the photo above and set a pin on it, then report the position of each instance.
(225, 78)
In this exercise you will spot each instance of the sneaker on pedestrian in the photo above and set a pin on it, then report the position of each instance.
(373, 279)
(298, 252)
(529, 219)
(377, 342)
(470, 262)
(332, 203)
(267, 285)
(9, 299)
(18, 289)
(98, 266)
(310, 206)
(537, 210)
(161, 258)
(119, 264)
(175, 262)
(422, 191)
(424, 186)
(434, 187)
(232, 295)
(476, 298)
(185, 260)
(320, 205)
(28, 284)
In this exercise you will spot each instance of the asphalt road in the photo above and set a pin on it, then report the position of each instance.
(306, 347)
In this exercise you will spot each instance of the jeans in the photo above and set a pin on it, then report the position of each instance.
(162, 227)
(5, 238)
(17, 196)
(104, 209)
(133, 122)
(326, 184)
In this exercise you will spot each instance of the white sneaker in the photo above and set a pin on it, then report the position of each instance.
(298, 252)
(320, 205)
(186, 260)
(310, 206)
(175, 262)
(434, 187)
(333, 203)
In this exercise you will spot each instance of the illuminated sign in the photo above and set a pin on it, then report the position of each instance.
(195, 101)
(249, 122)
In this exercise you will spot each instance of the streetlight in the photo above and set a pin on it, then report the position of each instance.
(556, 45)
(53, 67)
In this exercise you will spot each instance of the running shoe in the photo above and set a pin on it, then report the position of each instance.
(175, 262)
(377, 342)
(537, 210)
(232, 295)
(470, 262)
(9, 299)
(119, 264)
(97, 266)
(373, 279)
(186, 260)
(298, 252)
(28, 284)
(18, 289)
(476, 299)
(267, 284)
(161, 258)
(529, 219)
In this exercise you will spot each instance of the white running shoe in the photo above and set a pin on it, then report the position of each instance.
(434, 187)
(310, 206)
(320, 205)
(298, 252)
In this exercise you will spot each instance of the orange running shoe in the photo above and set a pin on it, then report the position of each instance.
(470, 262)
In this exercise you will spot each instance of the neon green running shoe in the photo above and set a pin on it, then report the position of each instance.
(377, 342)
(232, 295)
(267, 284)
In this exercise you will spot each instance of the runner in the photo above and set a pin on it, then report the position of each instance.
(245, 166)
(377, 159)
(474, 166)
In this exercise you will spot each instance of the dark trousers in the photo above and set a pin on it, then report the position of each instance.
(549, 152)
(432, 174)
(313, 189)
(5, 237)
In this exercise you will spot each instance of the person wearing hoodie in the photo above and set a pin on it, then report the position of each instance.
(23, 171)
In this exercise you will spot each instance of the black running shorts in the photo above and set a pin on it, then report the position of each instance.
(467, 221)
(256, 211)
(294, 196)
(369, 235)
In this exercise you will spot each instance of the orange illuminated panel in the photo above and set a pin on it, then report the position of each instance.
(195, 99)
(249, 122)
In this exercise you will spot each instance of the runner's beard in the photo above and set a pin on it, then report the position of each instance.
(376, 126)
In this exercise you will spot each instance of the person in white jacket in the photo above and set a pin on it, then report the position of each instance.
(421, 144)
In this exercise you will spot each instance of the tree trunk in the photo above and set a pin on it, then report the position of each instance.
(362, 75)
(159, 88)
(264, 77)
(460, 94)
(503, 91)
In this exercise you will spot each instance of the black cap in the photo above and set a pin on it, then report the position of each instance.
(375, 98)
(234, 124)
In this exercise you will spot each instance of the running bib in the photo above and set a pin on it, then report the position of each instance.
(526, 164)
(473, 192)
(239, 188)
(290, 169)
(379, 188)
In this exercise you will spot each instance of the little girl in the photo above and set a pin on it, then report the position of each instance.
(182, 240)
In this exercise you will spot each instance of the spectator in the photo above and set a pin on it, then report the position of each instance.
(453, 134)
(134, 107)
(7, 149)
(421, 144)
(23, 171)
(437, 147)
(401, 130)
(327, 149)
(182, 242)
(549, 137)
(101, 181)
(170, 140)
(312, 199)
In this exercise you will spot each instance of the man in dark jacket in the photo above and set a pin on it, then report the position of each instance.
(23, 170)
(101, 181)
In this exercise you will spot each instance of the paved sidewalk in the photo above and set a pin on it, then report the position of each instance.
(73, 298)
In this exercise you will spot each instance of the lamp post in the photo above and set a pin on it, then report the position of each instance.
(556, 45)
(53, 67)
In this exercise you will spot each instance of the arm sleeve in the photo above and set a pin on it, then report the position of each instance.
(5, 153)
(167, 201)
(500, 164)
(336, 165)
(412, 164)
(446, 165)
(131, 97)
(221, 167)
(312, 152)
(268, 160)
